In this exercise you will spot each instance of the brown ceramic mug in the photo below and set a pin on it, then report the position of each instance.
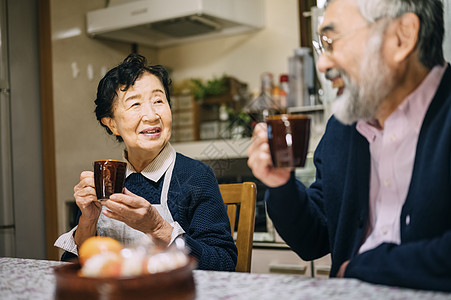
(109, 177)
(288, 137)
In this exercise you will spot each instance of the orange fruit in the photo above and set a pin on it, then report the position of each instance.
(105, 264)
(96, 245)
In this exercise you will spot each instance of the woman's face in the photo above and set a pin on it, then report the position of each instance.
(142, 117)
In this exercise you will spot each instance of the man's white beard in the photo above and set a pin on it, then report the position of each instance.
(362, 101)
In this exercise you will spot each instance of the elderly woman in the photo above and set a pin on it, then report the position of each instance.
(166, 194)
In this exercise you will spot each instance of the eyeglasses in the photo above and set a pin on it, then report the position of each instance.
(325, 44)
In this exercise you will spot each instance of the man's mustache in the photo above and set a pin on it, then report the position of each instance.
(332, 73)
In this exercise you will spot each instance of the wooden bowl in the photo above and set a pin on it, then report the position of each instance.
(175, 284)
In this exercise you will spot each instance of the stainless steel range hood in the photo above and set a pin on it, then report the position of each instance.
(161, 23)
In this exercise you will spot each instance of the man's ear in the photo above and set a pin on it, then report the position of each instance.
(408, 28)
(111, 124)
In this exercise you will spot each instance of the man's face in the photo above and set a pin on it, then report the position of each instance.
(355, 65)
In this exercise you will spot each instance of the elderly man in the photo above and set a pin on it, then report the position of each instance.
(381, 202)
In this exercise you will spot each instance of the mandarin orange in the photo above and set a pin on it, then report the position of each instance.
(97, 244)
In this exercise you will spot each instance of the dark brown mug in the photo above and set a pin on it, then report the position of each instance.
(288, 137)
(109, 177)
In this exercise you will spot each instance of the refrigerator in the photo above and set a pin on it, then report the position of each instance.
(447, 41)
(7, 228)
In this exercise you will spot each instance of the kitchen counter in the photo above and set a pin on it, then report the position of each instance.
(214, 149)
(34, 279)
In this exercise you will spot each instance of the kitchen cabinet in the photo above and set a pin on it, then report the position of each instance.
(185, 116)
(278, 258)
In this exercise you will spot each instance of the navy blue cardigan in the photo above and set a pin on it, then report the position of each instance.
(330, 216)
(196, 204)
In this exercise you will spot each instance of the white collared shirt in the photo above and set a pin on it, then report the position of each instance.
(157, 167)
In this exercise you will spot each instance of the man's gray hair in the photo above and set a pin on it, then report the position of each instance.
(430, 13)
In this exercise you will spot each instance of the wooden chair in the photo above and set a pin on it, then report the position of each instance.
(243, 195)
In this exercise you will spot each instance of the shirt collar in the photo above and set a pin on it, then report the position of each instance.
(158, 167)
(367, 131)
(414, 107)
(416, 104)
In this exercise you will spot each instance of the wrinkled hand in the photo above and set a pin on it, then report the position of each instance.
(85, 197)
(139, 214)
(260, 159)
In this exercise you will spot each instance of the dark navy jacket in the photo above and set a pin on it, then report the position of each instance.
(330, 216)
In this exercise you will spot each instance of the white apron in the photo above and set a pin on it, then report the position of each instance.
(127, 235)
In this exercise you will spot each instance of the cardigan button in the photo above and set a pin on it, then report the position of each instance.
(407, 220)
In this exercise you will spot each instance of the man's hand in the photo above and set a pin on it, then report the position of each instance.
(260, 160)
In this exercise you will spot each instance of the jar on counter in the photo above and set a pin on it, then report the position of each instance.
(284, 89)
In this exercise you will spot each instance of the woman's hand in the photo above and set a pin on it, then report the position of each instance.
(86, 200)
(260, 159)
(139, 214)
(342, 270)
(85, 197)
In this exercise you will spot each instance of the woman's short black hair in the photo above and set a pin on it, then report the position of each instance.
(123, 76)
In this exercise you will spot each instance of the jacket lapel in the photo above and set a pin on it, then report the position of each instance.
(362, 179)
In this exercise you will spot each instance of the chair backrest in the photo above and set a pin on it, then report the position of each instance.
(243, 195)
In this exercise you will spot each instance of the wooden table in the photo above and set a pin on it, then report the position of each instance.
(34, 279)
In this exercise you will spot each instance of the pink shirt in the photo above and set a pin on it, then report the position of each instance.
(392, 151)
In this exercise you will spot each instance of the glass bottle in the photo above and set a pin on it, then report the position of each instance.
(263, 105)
